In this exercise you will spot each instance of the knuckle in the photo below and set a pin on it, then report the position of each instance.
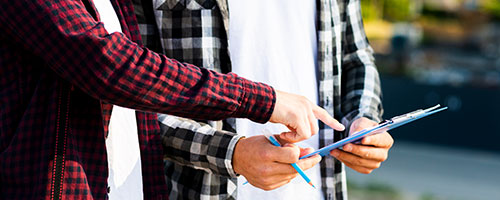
(301, 137)
(358, 162)
(367, 155)
(384, 157)
(295, 155)
(391, 141)
(361, 152)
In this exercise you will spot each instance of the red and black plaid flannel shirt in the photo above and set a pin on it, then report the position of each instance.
(59, 73)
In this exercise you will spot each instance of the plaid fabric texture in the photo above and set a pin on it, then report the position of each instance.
(60, 72)
(197, 159)
(348, 84)
(194, 31)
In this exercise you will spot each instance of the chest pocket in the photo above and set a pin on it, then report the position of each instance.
(188, 4)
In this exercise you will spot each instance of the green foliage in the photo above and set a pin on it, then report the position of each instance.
(371, 10)
(492, 7)
(392, 10)
(397, 10)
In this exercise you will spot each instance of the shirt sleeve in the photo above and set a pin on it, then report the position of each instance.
(197, 145)
(112, 68)
(360, 79)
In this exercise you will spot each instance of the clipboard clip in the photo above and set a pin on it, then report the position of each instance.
(413, 115)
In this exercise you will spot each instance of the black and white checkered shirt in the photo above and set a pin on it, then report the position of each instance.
(198, 155)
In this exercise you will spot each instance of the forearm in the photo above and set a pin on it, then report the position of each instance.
(189, 143)
(112, 68)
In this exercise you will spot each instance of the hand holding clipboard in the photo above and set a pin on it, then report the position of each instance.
(382, 127)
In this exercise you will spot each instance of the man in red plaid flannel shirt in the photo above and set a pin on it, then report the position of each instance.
(60, 75)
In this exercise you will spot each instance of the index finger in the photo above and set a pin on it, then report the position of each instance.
(307, 163)
(288, 153)
(326, 118)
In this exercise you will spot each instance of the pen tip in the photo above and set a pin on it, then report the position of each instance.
(310, 183)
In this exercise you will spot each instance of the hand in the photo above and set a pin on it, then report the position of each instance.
(368, 155)
(267, 166)
(300, 116)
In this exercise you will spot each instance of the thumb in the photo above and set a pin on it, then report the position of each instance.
(302, 132)
(284, 137)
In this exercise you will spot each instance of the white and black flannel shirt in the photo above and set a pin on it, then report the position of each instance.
(198, 156)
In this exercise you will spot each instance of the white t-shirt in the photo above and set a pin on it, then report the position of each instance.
(275, 42)
(122, 143)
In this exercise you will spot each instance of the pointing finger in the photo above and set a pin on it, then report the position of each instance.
(326, 118)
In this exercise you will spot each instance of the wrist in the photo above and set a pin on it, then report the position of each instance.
(237, 155)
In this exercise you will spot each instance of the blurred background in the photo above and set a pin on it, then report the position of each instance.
(437, 52)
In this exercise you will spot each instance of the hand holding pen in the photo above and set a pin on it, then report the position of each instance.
(267, 166)
(294, 164)
(275, 142)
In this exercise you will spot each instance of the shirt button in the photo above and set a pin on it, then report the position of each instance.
(109, 189)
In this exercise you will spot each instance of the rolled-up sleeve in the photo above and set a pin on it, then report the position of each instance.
(112, 68)
(200, 146)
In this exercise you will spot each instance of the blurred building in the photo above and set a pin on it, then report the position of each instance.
(439, 51)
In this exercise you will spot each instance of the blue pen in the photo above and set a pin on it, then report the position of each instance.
(294, 165)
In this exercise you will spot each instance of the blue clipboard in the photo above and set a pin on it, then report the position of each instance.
(382, 127)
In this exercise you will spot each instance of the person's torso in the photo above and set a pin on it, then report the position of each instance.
(172, 29)
(275, 43)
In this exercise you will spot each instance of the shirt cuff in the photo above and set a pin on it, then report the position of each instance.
(257, 102)
(225, 168)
